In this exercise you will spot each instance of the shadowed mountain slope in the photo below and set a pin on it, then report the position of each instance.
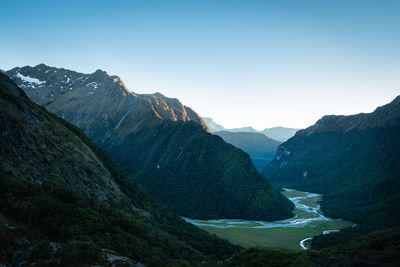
(64, 201)
(353, 160)
(164, 144)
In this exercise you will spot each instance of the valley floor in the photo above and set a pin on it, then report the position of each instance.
(292, 233)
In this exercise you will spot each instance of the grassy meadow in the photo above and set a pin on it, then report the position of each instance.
(247, 235)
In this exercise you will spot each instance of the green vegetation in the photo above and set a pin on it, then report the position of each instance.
(51, 213)
(311, 202)
(197, 174)
(41, 203)
(163, 144)
(357, 172)
(64, 202)
(285, 237)
(355, 162)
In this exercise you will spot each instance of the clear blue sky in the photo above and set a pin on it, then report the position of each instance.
(258, 63)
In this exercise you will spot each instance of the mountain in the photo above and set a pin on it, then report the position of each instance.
(279, 133)
(63, 201)
(260, 147)
(212, 126)
(353, 160)
(159, 141)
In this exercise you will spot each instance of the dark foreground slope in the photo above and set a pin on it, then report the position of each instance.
(63, 201)
(164, 144)
(353, 160)
(260, 147)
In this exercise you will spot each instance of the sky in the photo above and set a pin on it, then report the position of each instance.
(242, 63)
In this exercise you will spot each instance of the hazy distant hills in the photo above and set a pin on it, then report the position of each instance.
(353, 160)
(277, 133)
(260, 147)
(63, 200)
(163, 143)
(242, 130)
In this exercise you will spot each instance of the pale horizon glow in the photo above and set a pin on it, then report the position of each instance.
(242, 63)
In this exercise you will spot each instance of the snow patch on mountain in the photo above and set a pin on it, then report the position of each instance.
(29, 79)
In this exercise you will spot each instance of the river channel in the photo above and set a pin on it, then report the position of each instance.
(307, 222)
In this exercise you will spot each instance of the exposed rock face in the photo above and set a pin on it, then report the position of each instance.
(353, 160)
(98, 103)
(162, 143)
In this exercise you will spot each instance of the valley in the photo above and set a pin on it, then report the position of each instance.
(200, 133)
(293, 233)
(196, 176)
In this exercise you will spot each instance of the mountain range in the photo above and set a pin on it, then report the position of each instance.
(159, 141)
(280, 134)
